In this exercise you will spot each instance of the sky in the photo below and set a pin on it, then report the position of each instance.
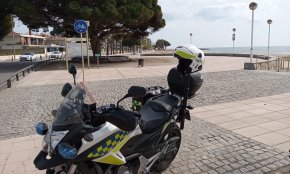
(211, 22)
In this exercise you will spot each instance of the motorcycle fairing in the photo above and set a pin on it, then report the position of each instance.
(108, 144)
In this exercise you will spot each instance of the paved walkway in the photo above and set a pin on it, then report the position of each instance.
(212, 64)
(250, 136)
(265, 119)
(229, 144)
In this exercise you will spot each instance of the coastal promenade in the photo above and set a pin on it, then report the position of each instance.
(240, 123)
(212, 64)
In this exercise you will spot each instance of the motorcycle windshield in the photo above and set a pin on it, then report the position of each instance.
(70, 110)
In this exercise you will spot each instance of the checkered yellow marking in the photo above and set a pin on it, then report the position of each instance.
(109, 144)
(136, 104)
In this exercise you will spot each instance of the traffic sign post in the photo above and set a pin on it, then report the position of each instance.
(87, 39)
(81, 27)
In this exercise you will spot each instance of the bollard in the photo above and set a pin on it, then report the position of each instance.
(278, 64)
(288, 64)
(23, 73)
(9, 83)
(17, 77)
(140, 62)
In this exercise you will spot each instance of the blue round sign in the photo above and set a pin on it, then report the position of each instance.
(81, 26)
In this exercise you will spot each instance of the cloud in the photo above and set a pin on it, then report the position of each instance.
(224, 12)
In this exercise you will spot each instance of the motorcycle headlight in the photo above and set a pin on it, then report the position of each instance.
(67, 151)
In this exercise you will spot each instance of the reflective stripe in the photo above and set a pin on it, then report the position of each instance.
(185, 55)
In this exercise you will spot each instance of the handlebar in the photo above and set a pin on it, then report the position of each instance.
(105, 109)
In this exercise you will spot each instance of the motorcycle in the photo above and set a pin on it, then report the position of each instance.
(86, 139)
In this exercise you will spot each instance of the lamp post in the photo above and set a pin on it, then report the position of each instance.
(190, 38)
(253, 6)
(234, 38)
(269, 21)
(12, 23)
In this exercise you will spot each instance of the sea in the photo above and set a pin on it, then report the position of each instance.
(274, 50)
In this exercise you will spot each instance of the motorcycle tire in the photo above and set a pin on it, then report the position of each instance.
(170, 154)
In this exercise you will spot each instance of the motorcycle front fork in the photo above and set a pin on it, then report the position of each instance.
(72, 169)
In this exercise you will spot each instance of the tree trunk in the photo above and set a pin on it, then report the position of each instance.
(111, 46)
(94, 39)
(107, 47)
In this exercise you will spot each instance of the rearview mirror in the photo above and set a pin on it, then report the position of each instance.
(72, 69)
(136, 91)
(66, 89)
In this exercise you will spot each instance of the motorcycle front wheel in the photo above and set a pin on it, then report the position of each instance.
(164, 162)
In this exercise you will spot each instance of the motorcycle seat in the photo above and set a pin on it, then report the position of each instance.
(156, 112)
(164, 103)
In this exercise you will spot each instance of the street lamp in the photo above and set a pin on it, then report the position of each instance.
(12, 23)
(269, 21)
(253, 6)
(234, 38)
(190, 38)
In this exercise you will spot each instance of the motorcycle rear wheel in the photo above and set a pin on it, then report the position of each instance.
(164, 162)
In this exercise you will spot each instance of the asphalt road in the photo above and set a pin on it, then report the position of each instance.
(8, 68)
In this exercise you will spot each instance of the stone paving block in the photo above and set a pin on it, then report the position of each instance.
(284, 120)
(212, 172)
(226, 110)
(274, 107)
(258, 111)
(286, 105)
(284, 146)
(265, 169)
(215, 107)
(275, 116)
(256, 120)
(260, 104)
(233, 105)
(20, 146)
(272, 138)
(14, 168)
(284, 132)
(251, 131)
(239, 115)
(196, 170)
(273, 125)
(3, 159)
(1, 169)
(220, 170)
(5, 148)
(16, 157)
(285, 111)
(234, 125)
(206, 114)
(218, 119)
(244, 107)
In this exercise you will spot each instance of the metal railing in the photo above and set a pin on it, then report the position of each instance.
(16, 76)
(278, 64)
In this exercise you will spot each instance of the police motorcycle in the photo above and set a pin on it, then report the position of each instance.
(86, 139)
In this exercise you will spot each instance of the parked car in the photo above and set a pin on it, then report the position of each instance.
(28, 56)
(55, 54)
